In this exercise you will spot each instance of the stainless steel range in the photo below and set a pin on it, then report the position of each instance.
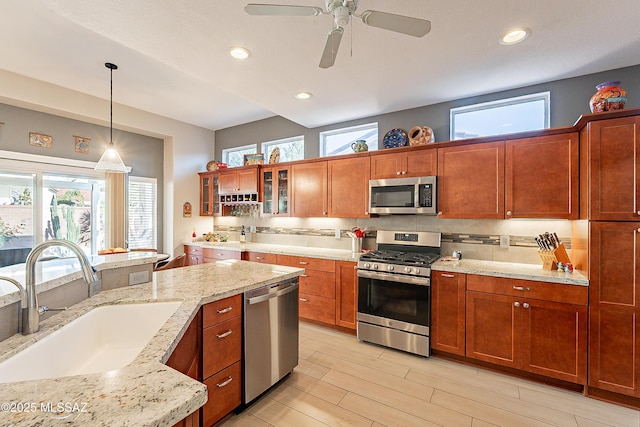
(394, 290)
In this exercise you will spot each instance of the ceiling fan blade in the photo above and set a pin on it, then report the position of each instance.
(331, 48)
(400, 24)
(281, 10)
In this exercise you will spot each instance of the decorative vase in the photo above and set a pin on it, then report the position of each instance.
(420, 135)
(609, 97)
(359, 146)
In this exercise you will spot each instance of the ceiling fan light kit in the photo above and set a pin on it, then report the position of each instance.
(342, 11)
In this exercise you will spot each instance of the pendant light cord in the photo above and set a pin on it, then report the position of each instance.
(112, 67)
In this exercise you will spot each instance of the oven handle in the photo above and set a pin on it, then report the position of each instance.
(400, 278)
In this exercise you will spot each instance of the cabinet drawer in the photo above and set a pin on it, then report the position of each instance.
(317, 308)
(572, 294)
(225, 394)
(192, 250)
(221, 346)
(219, 311)
(308, 263)
(319, 283)
(261, 257)
(213, 254)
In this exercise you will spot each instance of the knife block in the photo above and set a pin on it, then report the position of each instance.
(551, 258)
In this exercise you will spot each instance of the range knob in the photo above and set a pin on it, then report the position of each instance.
(374, 266)
(417, 271)
(390, 267)
(366, 265)
(407, 269)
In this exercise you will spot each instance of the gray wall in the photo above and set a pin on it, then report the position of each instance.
(143, 153)
(569, 100)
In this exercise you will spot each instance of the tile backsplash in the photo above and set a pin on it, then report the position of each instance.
(476, 239)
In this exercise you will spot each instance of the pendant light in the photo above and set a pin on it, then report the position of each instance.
(110, 160)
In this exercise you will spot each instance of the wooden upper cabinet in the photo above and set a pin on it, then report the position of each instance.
(614, 307)
(406, 164)
(209, 205)
(238, 180)
(348, 192)
(612, 169)
(309, 189)
(542, 177)
(471, 181)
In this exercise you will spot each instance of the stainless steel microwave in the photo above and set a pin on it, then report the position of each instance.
(403, 196)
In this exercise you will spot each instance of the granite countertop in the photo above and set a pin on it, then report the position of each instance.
(56, 272)
(511, 270)
(146, 392)
(308, 251)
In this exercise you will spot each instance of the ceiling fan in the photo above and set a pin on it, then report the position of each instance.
(342, 11)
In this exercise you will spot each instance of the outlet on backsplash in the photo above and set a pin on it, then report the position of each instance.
(504, 242)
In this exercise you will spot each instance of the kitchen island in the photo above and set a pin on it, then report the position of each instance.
(146, 392)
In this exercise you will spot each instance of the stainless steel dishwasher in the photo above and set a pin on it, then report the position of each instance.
(270, 336)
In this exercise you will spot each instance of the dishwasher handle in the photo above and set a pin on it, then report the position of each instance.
(273, 292)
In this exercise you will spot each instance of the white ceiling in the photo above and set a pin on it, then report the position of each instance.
(173, 56)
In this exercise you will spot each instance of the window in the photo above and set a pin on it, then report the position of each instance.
(235, 156)
(290, 149)
(16, 216)
(142, 219)
(523, 113)
(338, 141)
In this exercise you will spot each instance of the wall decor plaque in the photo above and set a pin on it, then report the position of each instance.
(82, 144)
(40, 139)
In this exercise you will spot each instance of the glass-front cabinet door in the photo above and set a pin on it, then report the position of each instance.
(275, 191)
(209, 195)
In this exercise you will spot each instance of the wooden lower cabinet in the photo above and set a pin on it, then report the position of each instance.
(186, 359)
(614, 316)
(546, 335)
(346, 294)
(317, 308)
(194, 254)
(222, 357)
(448, 312)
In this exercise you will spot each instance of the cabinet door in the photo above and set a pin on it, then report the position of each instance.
(317, 308)
(194, 254)
(309, 189)
(542, 177)
(471, 181)
(346, 294)
(448, 312)
(228, 181)
(422, 162)
(348, 190)
(493, 329)
(248, 180)
(387, 165)
(614, 150)
(208, 182)
(554, 340)
(614, 309)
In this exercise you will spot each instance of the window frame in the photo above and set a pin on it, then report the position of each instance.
(227, 151)
(499, 103)
(264, 146)
(323, 135)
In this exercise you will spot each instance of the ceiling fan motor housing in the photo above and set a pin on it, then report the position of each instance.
(341, 10)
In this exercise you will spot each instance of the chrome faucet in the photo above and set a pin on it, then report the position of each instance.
(23, 299)
(31, 313)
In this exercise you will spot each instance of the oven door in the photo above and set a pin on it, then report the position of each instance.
(396, 297)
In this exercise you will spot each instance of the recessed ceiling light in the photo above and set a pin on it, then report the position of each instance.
(515, 36)
(303, 95)
(239, 52)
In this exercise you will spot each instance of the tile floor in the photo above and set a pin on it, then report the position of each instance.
(343, 382)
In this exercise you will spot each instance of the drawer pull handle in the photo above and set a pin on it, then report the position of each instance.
(303, 262)
(225, 310)
(220, 254)
(224, 383)
(304, 275)
(525, 305)
(304, 300)
(224, 335)
(448, 275)
(521, 288)
(516, 304)
(259, 257)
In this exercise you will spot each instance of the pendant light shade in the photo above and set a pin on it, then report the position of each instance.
(110, 160)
